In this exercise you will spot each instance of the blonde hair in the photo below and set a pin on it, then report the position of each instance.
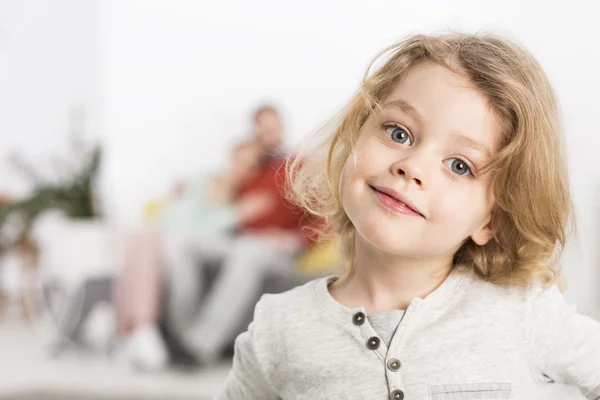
(528, 173)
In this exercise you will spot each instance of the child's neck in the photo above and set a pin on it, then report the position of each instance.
(382, 282)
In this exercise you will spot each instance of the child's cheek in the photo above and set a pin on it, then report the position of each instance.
(350, 189)
(347, 175)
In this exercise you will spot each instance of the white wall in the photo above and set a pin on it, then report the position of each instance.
(175, 80)
(182, 75)
(49, 65)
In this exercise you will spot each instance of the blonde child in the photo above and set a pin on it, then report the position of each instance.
(445, 180)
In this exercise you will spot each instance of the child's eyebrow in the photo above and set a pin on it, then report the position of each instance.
(473, 144)
(405, 107)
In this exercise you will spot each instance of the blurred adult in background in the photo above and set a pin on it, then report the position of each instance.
(204, 207)
(271, 242)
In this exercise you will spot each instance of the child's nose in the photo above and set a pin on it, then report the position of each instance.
(417, 180)
(411, 171)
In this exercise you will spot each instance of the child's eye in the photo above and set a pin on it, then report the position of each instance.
(458, 166)
(398, 134)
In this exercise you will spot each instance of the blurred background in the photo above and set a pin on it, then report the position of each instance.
(115, 114)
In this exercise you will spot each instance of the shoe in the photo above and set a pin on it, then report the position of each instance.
(145, 349)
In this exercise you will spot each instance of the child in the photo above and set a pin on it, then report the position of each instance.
(446, 182)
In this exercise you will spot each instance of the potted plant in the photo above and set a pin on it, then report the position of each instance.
(82, 243)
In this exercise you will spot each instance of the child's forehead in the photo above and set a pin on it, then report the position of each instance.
(434, 88)
(429, 81)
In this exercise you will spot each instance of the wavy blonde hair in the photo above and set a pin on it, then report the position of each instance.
(528, 173)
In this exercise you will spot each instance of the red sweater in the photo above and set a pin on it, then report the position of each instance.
(283, 214)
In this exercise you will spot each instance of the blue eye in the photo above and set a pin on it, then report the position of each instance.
(458, 166)
(398, 135)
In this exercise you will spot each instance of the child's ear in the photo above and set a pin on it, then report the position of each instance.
(487, 231)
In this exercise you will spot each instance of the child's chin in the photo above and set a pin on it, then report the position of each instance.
(388, 243)
(392, 249)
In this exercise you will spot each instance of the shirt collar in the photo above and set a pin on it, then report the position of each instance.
(331, 306)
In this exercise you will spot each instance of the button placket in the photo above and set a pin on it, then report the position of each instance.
(373, 342)
(370, 337)
(394, 375)
(394, 363)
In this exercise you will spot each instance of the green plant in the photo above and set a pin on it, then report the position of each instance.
(71, 190)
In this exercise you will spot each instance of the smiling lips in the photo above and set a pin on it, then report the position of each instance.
(393, 201)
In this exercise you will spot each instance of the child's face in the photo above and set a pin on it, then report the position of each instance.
(425, 155)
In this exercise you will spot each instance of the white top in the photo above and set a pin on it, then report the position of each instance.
(469, 339)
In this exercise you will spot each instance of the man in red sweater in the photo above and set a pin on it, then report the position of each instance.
(270, 242)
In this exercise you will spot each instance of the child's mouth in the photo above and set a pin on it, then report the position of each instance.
(394, 202)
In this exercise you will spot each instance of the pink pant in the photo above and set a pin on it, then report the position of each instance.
(140, 284)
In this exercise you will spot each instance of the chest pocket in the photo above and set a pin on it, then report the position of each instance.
(496, 390)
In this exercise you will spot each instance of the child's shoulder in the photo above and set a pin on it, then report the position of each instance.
(290, 303)
(279, 318)
(476, 288)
